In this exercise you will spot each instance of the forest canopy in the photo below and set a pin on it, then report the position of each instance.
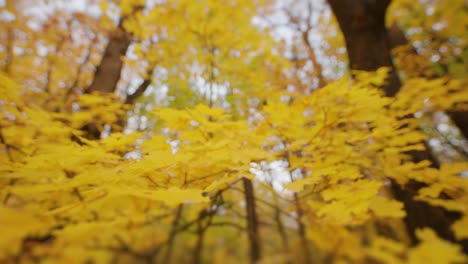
(234, 131)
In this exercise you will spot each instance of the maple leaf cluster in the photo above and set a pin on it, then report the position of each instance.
(232, 157)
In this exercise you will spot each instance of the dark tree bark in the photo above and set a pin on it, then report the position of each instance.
(109, 70)
(280, 225)
(301, 231)
(396, 36)
(460, 118)
(108, 73)
(170, 242)
(252, 222)
(363, 25)
(130, 99)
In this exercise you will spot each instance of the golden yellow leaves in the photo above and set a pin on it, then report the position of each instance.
(341, 143)
(199, 116)
(351, 203)
(384, 207)
(432, 249)
(128, 6)
(221, 183)
(411, 63)
(343, 244)
(447, 182)
(211, 42)
(386, 250)
(9, 90)
(298, 185)
(213, 145)
(15, 225)
(55, 172)
(431, 95)
(345, 155)
(97, 109)
(460, 228)
(18, 136)
(173, 118)
(172, 196)
(120, 143)
(337, 148)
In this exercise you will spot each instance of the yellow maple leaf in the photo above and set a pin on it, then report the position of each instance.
(460, 228)
(386, 208)
(432, 249)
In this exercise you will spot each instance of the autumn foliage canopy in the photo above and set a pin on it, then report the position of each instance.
(187, 131)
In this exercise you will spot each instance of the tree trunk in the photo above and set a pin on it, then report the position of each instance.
(170, 242)
(363, 25)
(301, 231)
(130, 99)
(460, 118)
(108, 72)
(252, 222)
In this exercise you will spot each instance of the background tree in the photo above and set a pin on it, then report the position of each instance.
(368, 44)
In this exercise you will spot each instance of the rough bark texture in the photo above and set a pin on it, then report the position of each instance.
(108, 72)
(363, 25)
